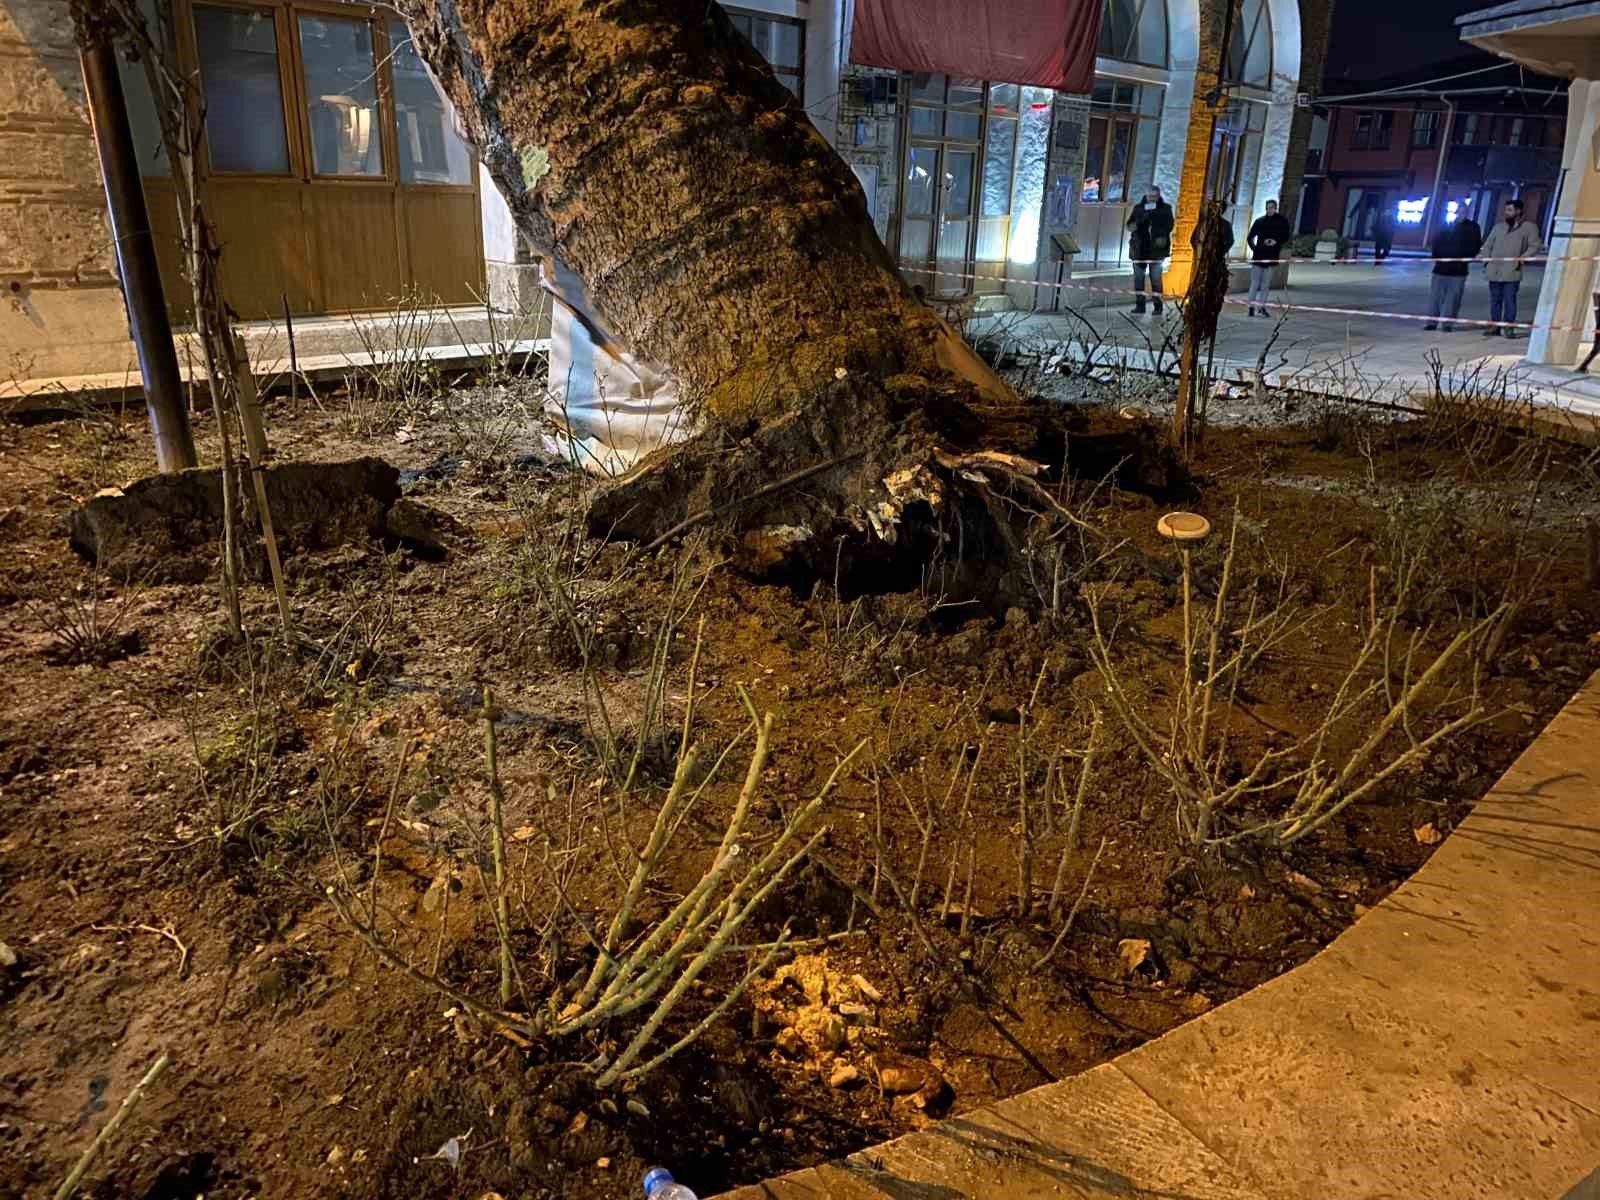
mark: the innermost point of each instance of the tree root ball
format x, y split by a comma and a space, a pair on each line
885, 486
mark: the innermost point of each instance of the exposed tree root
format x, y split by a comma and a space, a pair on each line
887, 486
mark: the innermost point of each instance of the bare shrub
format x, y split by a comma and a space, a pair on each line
632, 972
1392, 689
87, 625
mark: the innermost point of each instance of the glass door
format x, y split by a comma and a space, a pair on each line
939, 196
1118, 167
953, 254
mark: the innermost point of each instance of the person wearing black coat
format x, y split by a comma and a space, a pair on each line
1268, 237
1382, 235
1453, 248
1150, 246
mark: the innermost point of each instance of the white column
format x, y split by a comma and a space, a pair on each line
1274, 155
1174, 138
1183, 47
1565, 299
511, 284
825, 50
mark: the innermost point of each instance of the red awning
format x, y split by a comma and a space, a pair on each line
1049, 43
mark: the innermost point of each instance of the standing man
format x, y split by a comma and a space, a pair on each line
1509, 243
1150, 246
1268, 236
1383, 235
1453, 247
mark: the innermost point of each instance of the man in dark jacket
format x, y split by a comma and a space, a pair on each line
1268, 237
1150, 246
1453, 248
1382, 235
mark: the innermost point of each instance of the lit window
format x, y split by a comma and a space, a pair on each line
430, 150
341, 96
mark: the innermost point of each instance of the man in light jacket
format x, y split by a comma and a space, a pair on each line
1509, 243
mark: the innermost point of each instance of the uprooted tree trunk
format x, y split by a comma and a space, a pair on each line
646, 146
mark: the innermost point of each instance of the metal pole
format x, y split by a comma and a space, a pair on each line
136, 259
1438, 175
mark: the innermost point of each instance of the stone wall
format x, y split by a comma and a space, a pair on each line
62, 311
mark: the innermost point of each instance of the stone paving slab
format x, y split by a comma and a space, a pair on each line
1093, 1136
1445, 1046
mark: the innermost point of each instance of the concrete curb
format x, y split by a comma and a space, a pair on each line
1445, 1047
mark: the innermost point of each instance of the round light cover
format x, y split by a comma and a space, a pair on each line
1183, 527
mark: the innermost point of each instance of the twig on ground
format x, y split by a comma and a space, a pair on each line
75, 1176
166, 931
1072, 916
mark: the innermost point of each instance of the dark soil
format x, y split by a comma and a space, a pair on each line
173, 807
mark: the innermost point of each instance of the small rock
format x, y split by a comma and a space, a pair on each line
8, 956
844, 1075
637, 1107
607, 1107
603, 1163
1304, 882
336, 1155
1197, 1003
855, 1013
902, 1081
790, 1043
868, 993
1427, 835
1134, 953
579, 1123
1246, 892
933, 1096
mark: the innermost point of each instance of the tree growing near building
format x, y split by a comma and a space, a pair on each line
646, 146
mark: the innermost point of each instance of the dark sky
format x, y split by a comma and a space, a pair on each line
1377, 38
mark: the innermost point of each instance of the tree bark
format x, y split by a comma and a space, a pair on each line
647, 147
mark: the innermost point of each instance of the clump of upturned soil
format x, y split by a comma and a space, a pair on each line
172, 817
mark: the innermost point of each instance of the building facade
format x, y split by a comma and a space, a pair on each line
1022, 165
1454, 139
338, 182
1560, 39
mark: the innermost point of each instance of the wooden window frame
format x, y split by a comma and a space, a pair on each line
383, 86
1379, 133
797, 73
1425, 129
296, 109
189, 48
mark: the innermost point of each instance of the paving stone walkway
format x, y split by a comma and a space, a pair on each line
1445, 1047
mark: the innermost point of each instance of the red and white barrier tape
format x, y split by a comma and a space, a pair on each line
1159, 297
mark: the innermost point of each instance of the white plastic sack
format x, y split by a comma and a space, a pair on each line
611, 407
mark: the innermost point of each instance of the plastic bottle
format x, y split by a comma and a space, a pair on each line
659, 1185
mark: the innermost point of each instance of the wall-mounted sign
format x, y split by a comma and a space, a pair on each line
1410, 212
